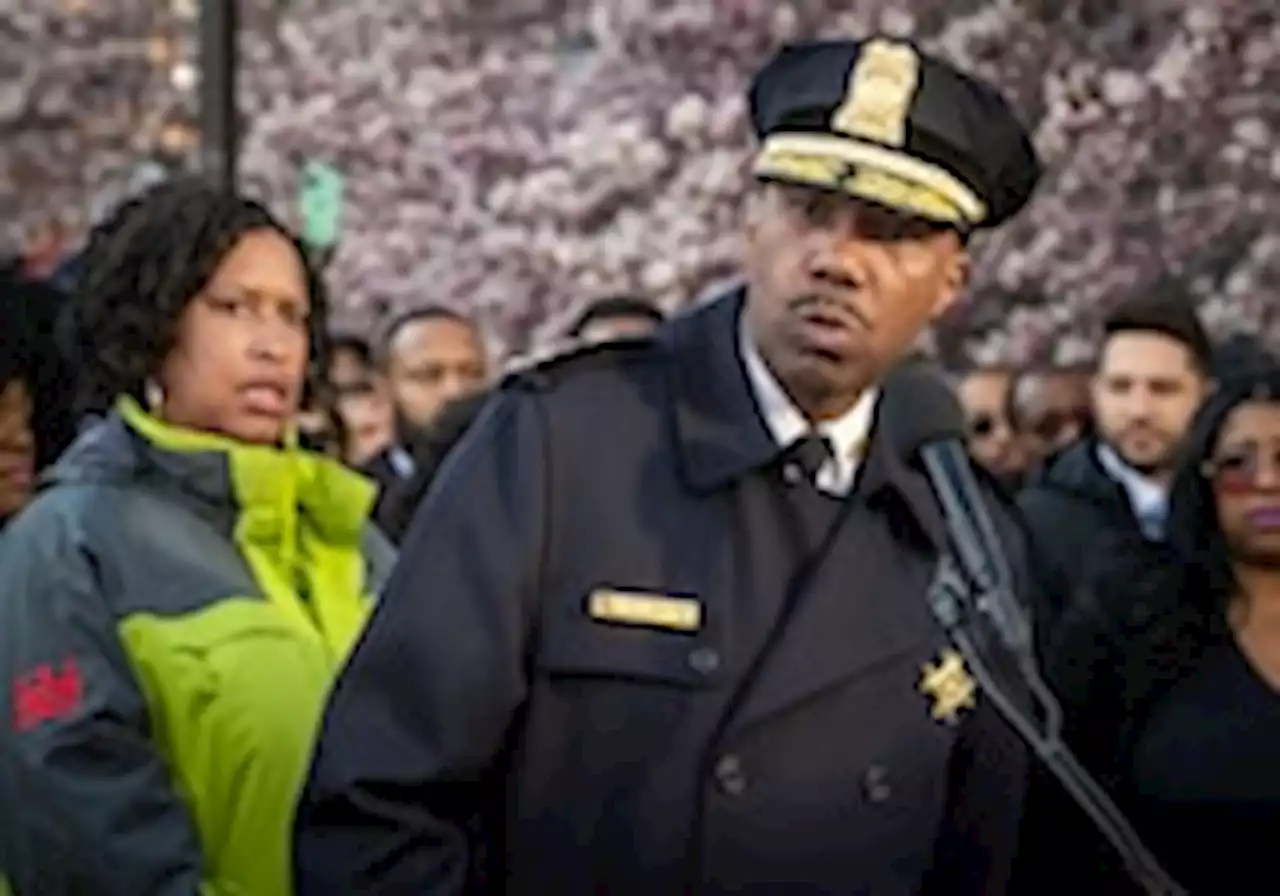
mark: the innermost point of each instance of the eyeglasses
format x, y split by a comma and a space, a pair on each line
981, 426
1240, 469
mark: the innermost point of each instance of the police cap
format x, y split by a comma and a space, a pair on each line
883, 121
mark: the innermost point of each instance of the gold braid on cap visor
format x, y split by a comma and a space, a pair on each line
887, 176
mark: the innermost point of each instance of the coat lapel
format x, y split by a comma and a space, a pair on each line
863, 604
719, 433
869, 590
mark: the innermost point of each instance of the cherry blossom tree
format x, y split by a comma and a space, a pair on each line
516, 162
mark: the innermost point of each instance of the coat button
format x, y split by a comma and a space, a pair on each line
730, 776
875, 784
792, 474
704, 660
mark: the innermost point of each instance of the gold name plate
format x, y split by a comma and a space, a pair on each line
681, 614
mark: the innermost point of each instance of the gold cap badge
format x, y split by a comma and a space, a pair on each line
878, 97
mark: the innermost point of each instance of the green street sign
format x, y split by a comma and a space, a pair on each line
320, 204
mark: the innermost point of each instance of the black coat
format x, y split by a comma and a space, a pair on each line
1081, 520
383, 472
746, 756
1121, 645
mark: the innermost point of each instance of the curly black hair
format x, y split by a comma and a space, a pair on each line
142, 266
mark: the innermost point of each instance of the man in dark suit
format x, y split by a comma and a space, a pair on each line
661, 624
430, 356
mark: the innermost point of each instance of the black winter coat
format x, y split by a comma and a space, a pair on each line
616, 642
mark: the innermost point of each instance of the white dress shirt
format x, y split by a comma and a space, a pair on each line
848, 434
1150, 500
401, 462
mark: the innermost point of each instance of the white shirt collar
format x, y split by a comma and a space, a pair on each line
1149, 499
848, 434
401, 461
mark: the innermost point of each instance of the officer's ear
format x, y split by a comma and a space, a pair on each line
956, 273
754, 210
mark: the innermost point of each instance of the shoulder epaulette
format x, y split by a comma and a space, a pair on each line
542, 372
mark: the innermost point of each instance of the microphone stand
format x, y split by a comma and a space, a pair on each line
950, 597
975, 575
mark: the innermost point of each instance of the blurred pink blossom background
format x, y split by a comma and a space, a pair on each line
515, 158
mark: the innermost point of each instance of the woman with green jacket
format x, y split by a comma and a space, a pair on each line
177, 599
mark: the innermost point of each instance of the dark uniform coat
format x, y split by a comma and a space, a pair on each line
783, 746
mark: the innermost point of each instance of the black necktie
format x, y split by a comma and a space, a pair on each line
812, 510
809, 453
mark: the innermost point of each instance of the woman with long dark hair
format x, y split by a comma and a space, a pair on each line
1170, 672
177, 597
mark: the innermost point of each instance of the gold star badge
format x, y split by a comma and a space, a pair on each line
949, 685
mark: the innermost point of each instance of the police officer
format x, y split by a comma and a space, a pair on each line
661, 626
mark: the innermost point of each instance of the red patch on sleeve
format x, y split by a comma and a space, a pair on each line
48, 693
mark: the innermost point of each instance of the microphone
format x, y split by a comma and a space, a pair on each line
928, 427
973, 578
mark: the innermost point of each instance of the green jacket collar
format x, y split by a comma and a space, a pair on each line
272, 490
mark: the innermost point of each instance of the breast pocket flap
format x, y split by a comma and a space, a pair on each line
587, 648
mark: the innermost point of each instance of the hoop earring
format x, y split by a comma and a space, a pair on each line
153, 393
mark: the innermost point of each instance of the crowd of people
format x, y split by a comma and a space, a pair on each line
1146, 482
514, 162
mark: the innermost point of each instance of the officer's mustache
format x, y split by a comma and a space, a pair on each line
828, 304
